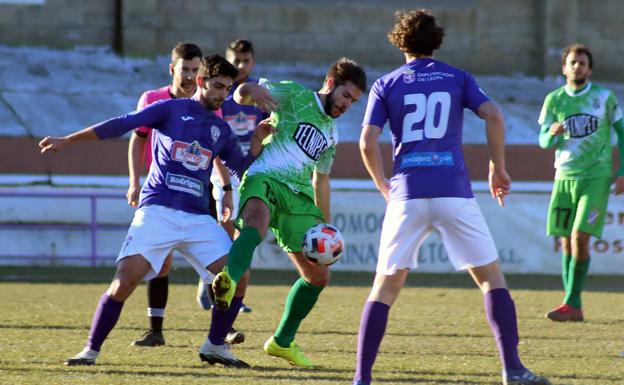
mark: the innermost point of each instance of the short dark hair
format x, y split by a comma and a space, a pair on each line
185, 51
415, 32
241, 46
578, 49
216, 65
347, 70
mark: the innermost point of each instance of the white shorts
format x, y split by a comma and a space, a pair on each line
458, 222
156, 231
217, 194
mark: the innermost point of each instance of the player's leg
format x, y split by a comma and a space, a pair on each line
560, 221
296, 214
589, 221
406, 225
301, 298
153, 233
256, 202
470, 246
130, 271
203, 239
157, 295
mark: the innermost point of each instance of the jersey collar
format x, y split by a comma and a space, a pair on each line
318, 102
574, 93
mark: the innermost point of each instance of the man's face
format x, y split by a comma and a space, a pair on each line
243, 61
183, 74
214, 91
340, 99
576, 68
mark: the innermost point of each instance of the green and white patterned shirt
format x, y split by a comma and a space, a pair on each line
584, 149
305, 140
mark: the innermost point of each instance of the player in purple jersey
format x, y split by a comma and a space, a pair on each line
173, 212
429, 189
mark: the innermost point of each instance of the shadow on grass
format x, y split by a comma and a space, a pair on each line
72, 274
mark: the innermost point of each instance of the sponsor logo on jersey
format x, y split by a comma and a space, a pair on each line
580, 125
311, 140
187, 118
241, 123
192, 155
427, 159
185, 184
409, 76
215, 133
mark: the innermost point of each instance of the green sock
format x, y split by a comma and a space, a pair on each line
241, 252
300, 301
565, 268
576, 280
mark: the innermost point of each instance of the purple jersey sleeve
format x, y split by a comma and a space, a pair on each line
150, 116
376, 111
474, 96
233, 157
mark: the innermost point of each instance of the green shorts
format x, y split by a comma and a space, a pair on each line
292, 214
578, 205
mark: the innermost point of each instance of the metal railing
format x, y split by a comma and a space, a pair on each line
92, 226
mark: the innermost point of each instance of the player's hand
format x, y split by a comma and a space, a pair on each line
556, 129
51, 143
133, 195
619, 185
263, 99
227, 205
500, 183
384, 189
264, 129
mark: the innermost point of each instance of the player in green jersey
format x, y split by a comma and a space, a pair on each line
277, 191
576, 119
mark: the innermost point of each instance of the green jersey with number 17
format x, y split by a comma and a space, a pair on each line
305, 140
584, 149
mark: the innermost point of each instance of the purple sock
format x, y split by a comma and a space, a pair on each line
372, 328
222, 321
104, 320
501, 314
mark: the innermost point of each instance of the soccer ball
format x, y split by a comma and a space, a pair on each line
323, 244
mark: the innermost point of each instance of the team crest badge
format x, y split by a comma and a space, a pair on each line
215, 133
593, 216
191, 155
409, 76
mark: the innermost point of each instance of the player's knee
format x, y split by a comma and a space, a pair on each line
319, 278
121, 289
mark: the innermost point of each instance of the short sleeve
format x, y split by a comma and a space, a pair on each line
376, 110
474, 96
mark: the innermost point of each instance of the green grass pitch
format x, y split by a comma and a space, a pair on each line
437, 333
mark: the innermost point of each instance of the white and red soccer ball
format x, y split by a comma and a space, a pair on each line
323, 244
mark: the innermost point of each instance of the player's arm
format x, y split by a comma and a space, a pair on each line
322, 192
112, 128
252, 93
231, 152
224, 176
619, 175
371, 155
499, 180
550, 129
55, 143
135, 162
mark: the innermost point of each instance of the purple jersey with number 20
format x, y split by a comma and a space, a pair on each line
424, 102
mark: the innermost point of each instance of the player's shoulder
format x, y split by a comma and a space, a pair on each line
151, 96
283, 85
599, 89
